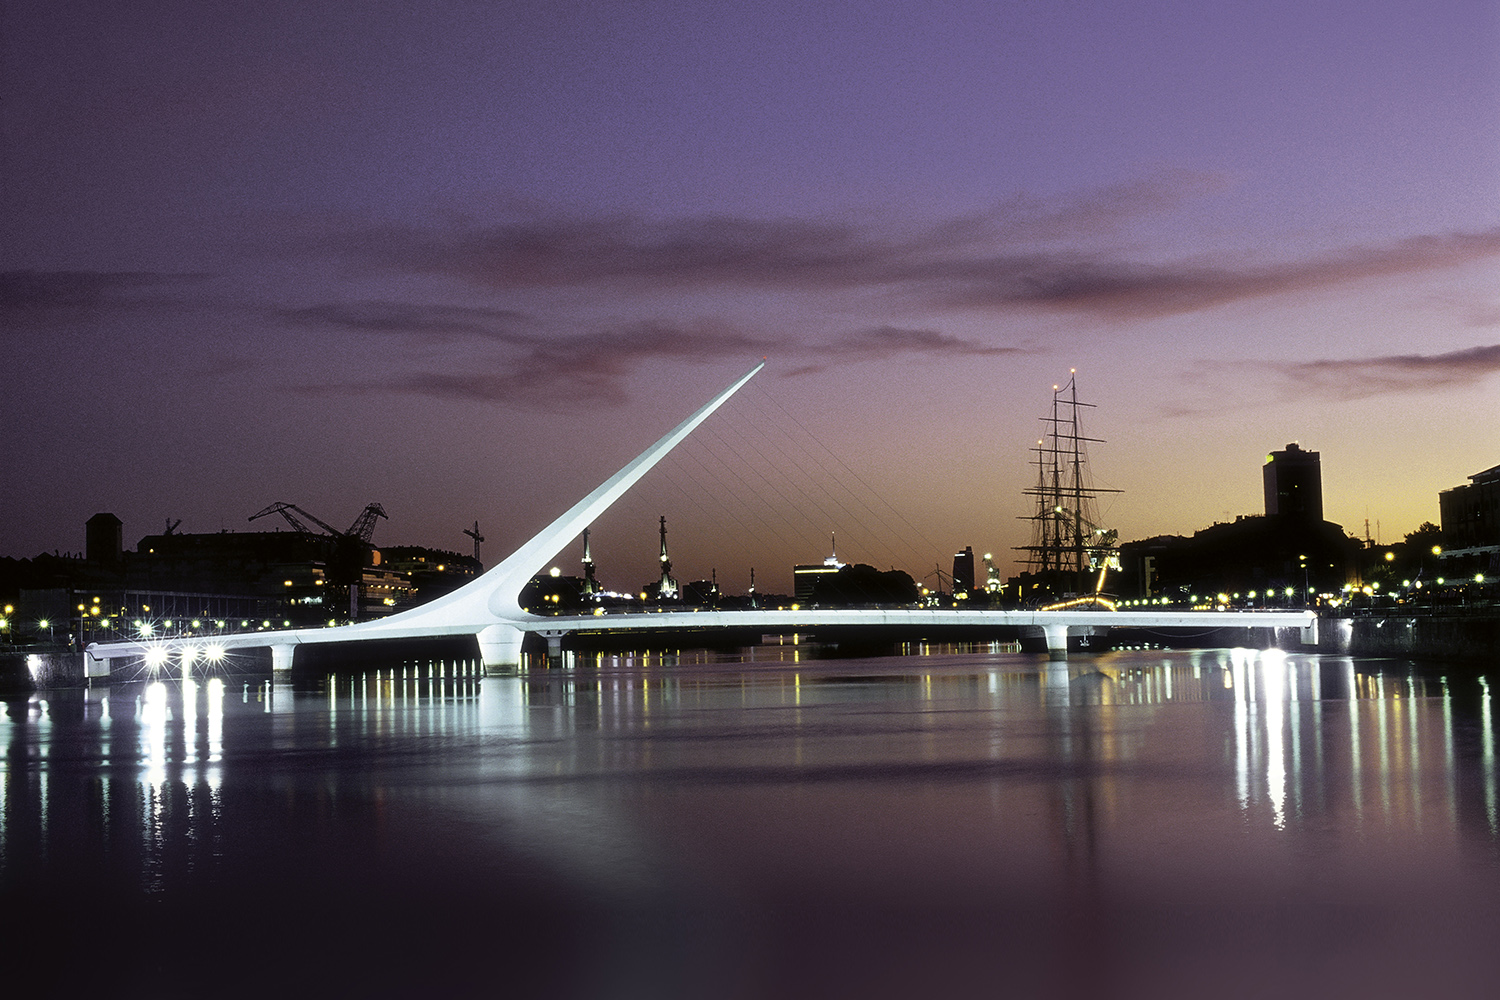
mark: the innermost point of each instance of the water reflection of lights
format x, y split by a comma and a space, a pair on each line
154, 715
1273, 685
215, 726
1487, 750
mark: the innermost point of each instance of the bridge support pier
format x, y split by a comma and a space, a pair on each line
95, 666
500, 645
281, 658
554, 637
1057, 641
1310, 634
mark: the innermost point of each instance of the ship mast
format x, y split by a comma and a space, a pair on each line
1067, 546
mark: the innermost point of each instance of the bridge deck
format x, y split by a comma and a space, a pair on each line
1054, 625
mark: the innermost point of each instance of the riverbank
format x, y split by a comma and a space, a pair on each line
1469, 636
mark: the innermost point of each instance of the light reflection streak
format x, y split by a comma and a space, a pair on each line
189, 720
153, 714
1487, 750
1449, 764
1235, 678
1383, 740
1273, 689
1294, 712
1414, 750
1355, 771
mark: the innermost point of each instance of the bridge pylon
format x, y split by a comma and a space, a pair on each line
490, 606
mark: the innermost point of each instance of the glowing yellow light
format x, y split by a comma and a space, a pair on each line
1390, 556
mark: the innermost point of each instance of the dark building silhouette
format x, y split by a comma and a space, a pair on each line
806, 576
104, 539
1471, 514
963, 571
863, 586
1261, 554
1294, 484
1287, 556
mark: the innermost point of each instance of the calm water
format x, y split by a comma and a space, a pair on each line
957, 822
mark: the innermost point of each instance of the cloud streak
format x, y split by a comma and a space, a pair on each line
1358, 378
997, 261
432, 320
535, 371
35, 294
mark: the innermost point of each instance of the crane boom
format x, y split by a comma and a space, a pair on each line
363, 527
286, 510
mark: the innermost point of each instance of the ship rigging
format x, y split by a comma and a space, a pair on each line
1069, 553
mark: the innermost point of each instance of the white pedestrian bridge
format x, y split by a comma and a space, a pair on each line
489, 607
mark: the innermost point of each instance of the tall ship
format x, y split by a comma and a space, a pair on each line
1070, 555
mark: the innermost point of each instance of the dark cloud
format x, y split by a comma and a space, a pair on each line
995, 261
40, 292
615, 251
535, 371
887, 341
415, 318
567, 371
1360, 377
1125, 290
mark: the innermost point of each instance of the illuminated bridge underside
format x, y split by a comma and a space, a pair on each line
489, 607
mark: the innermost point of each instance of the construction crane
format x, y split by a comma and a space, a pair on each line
350, 549
477, 539
942, 577
363, 527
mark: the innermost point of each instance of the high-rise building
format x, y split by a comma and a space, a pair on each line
963, 572
1294, 484
805, 577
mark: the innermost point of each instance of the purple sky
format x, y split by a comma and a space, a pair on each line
465, 259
